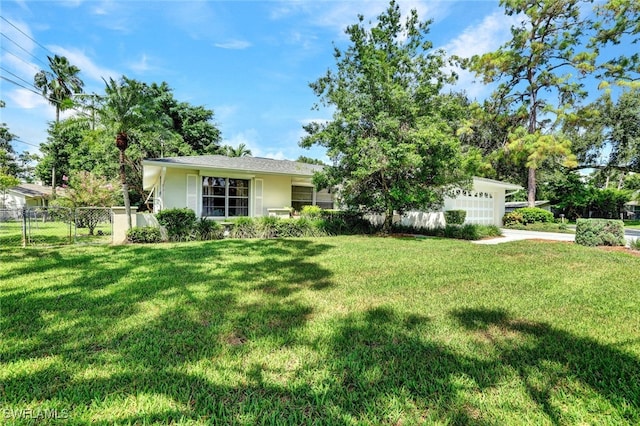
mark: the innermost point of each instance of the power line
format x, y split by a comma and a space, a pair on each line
22, 48
26, 143
25, 34
18, 77
19, 58
20, 85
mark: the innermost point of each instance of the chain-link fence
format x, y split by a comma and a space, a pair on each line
93, 225
53, 226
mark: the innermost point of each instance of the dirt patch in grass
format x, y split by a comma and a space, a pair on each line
620, 249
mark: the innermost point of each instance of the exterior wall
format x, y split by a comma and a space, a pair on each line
13, 201
483, 195
276, 192
175, 187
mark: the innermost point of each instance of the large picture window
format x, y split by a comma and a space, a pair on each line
225, 197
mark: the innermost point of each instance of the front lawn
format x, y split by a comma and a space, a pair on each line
633, 224
344, 330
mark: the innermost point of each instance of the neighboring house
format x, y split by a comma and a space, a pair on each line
632, 209
221, 187
510, 206
26, 195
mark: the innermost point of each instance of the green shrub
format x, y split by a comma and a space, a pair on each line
526, 216
244, 227
455, 217
311, 212
267, 227
179, 223
634, 244
535, 215
461, 232
345, 222
144, 234
206, 230
600, 232
512, 218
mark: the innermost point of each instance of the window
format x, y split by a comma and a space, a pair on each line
324, 199
225, 197
301, 196
304, 196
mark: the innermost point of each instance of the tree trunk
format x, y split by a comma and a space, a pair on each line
388, 221
125, 188
53, 181
531, 187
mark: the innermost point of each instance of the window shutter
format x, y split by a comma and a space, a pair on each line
192, 193
257, 198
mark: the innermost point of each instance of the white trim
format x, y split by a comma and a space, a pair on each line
192, 194
258, 200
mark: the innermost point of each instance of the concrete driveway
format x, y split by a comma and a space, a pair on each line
517, 235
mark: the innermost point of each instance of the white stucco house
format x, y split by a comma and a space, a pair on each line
221, 187
25, 195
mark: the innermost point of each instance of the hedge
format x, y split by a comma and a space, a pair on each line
455, 217
600, 232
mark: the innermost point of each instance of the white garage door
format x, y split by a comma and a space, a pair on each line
480, 206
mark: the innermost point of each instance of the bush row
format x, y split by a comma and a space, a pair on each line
526, 216
182, 225
468, 231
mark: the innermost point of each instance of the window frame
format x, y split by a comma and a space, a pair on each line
206, 210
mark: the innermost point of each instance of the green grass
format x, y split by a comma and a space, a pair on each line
634, 224
344, 330
543, 227
45, 234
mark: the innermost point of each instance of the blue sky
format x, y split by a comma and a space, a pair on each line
249, 61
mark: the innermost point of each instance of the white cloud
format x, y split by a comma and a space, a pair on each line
275, 155
251, 140
487, 36
492, 32
26, 99
223, 113
339, 15
17, 65
234, 44
142, 65
86, 65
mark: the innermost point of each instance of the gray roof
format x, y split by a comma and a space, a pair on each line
520, 204
245, 164
32, 190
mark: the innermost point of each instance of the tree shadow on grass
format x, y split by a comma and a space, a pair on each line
554, 364
136, 317
215, 333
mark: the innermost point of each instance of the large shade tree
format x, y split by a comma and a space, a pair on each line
534, 71
389, 140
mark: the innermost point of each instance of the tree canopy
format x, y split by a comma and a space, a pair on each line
390, 143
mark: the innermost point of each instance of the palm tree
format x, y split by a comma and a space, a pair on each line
58, 85
127, 109
240, 151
